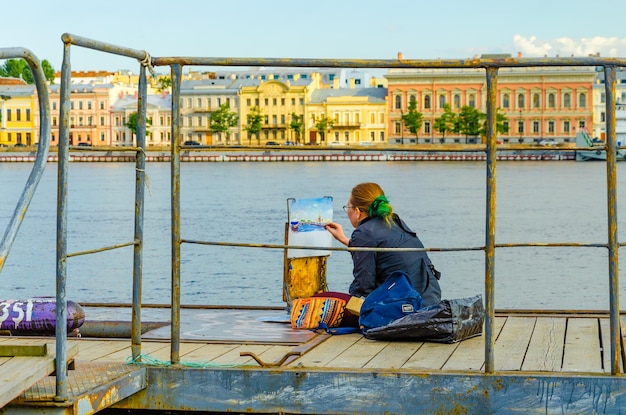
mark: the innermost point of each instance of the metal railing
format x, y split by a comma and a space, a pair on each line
176, 64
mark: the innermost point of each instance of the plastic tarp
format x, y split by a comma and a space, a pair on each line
449, 321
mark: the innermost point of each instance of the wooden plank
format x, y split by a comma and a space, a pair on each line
358, 354
545, 351
470, 355
393, 355
164, 354
206, 353
324, 353
431, 356
123, 355
23, 350
582, 346
512, 343
605, 332
21, 372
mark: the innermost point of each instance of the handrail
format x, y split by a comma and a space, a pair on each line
42, 151
491, 67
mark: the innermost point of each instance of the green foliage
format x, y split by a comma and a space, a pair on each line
223, 119
255, 118
324, 124
469, 121
133, 120
163, 83
18, 68
447, 122
501, 127
296, 125
413, 119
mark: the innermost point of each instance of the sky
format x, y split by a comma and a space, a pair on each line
347, 29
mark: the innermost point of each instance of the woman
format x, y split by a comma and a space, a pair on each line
377, 226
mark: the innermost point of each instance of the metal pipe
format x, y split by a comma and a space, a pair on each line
175, 179
62, 189
42, 151
490, 231
613, 244
140, 173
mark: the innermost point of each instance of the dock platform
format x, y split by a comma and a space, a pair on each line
549, 362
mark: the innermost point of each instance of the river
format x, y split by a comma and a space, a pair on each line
444, 202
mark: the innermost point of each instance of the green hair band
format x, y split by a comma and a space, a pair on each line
380, 207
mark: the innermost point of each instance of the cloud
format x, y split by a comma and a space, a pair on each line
565, 46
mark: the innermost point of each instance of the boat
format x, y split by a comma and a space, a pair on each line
584, 140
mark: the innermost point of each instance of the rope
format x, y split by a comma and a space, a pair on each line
147, 61
144, 359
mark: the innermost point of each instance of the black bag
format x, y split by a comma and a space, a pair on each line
449, 321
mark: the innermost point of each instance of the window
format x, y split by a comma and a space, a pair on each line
80, 105
551, 100
54, 121
9, 116
282, 119
602, 116
274, 119
282, 101
535, 127
101, 105
88, 105
566, 126
267, 102
398, 127
347, 135
427, 102
551, 127
520, 101
293, 101
412, 98
27, 114
275, 101
567, 100
382, 136
582, 100
398, 101
54, 105
520, 126
442, 101
248, 102
536, 101
427, 127
372, 135
581, 124
505, 101
18, 114
456, 100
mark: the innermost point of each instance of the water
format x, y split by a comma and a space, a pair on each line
444, 202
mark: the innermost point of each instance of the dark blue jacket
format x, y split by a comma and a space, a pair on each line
372, 268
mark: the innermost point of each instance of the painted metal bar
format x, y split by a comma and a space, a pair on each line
140, 55
140, 174
613, 243
62, 189
175, 172
42, 151
388, 63
490, 231
102, 249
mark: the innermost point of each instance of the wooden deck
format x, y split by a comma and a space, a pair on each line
568, 354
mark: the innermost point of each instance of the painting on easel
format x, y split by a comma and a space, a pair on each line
307, 218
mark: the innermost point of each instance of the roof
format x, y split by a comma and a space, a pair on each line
373, 94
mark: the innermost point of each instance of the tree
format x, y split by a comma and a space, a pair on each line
133, 120
445, 123
18, 68
255, 117
163, 82
223, 119
296, 125
413, 119
323, 124
501, 126
469, 121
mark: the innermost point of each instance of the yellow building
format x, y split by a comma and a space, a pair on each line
277, 101
358, 116
17, 113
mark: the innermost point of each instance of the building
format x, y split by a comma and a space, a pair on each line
159, 120
358, 116
538, 103
17, 113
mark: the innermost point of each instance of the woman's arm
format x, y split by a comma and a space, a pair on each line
336, 230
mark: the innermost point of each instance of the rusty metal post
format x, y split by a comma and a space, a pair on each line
175, 180
490, 231
140, 174
613, 243
62, 189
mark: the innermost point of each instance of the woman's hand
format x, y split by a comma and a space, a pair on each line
336, 230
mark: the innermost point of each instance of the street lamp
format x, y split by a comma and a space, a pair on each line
401, 127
